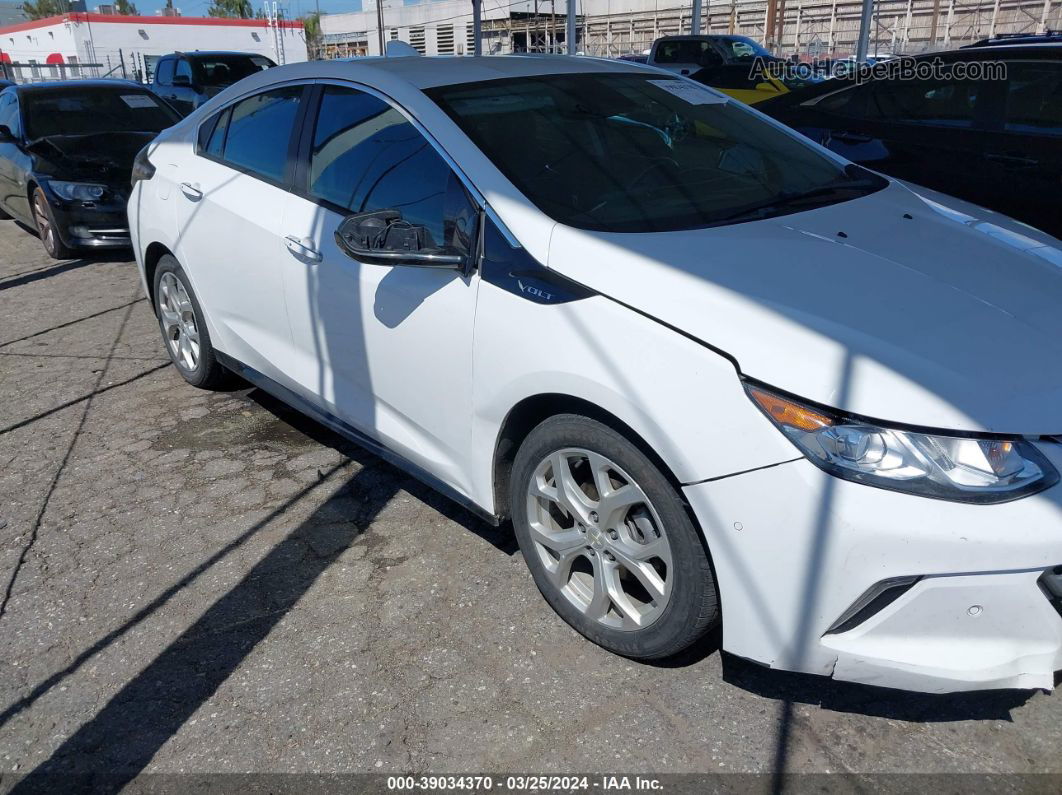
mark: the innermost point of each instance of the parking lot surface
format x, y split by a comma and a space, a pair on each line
198, 582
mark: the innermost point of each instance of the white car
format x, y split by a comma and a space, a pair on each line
711, 371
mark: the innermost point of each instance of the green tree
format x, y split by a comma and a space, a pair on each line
233, 9
45, 8
311, 28
126, 8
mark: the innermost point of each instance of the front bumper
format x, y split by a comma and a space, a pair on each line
795, 548
96, 225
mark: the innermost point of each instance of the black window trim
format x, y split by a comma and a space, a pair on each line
297, 127
298, 151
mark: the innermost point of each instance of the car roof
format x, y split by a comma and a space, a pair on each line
428, 72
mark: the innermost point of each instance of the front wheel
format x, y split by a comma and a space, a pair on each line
46, 227
608, 540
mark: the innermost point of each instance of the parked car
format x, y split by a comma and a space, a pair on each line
188, 79
66, 152
727, 64
994, 142
1007, 39
739, 378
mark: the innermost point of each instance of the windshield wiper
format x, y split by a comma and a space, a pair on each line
788, 201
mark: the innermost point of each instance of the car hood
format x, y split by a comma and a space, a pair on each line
903, 305
103, 157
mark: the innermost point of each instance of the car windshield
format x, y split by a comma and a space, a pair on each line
641, 153
223, 70
85, 110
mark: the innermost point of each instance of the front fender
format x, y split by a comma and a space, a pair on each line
683, 399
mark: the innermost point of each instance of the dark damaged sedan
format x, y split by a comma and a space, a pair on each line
66, 153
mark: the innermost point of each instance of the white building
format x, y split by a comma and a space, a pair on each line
616, 27
98, 45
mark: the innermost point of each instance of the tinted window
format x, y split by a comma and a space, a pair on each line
259, 131
695, 51
164, 72
942, 104
9, 113
633, 153
367, 156
850, 102
183, 70
223, 70
212, 134
1034, 98
90, 111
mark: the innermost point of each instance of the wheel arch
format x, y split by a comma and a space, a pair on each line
534, 409
152, 254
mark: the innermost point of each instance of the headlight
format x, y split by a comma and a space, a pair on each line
960, 468
77, 191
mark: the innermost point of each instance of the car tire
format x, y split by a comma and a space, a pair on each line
184, 331
47, 230
629, 572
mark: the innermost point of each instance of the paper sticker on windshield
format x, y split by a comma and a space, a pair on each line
690, 92
138, 100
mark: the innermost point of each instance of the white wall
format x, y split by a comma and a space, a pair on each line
91, 40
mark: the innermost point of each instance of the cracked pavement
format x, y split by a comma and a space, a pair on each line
208, 582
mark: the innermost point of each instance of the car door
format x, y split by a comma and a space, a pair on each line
385, 348
230, 202
15, 163
1023, 145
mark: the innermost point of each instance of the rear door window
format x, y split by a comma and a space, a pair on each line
935, 103
1034, 98
259, 132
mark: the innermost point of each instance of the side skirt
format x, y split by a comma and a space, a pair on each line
303, 406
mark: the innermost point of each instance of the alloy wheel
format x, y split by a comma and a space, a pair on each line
178, 321
45, 227
599, 539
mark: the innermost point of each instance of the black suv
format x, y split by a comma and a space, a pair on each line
188, 79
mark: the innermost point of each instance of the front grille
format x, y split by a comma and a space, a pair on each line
1051, 584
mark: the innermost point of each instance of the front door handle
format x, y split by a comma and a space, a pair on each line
302, 248
191, 191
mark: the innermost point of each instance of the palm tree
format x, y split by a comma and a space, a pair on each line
234, 9
126, 8
45, 8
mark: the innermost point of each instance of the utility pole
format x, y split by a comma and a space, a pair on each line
379, 25
863, 42
477, 28
570, 32
695, 20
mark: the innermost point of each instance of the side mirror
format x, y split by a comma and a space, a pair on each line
384, 238
6, 136
182, 80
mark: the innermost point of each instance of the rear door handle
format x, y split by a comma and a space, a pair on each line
191, 192
299, 247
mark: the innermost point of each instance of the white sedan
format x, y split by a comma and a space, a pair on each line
711, 371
